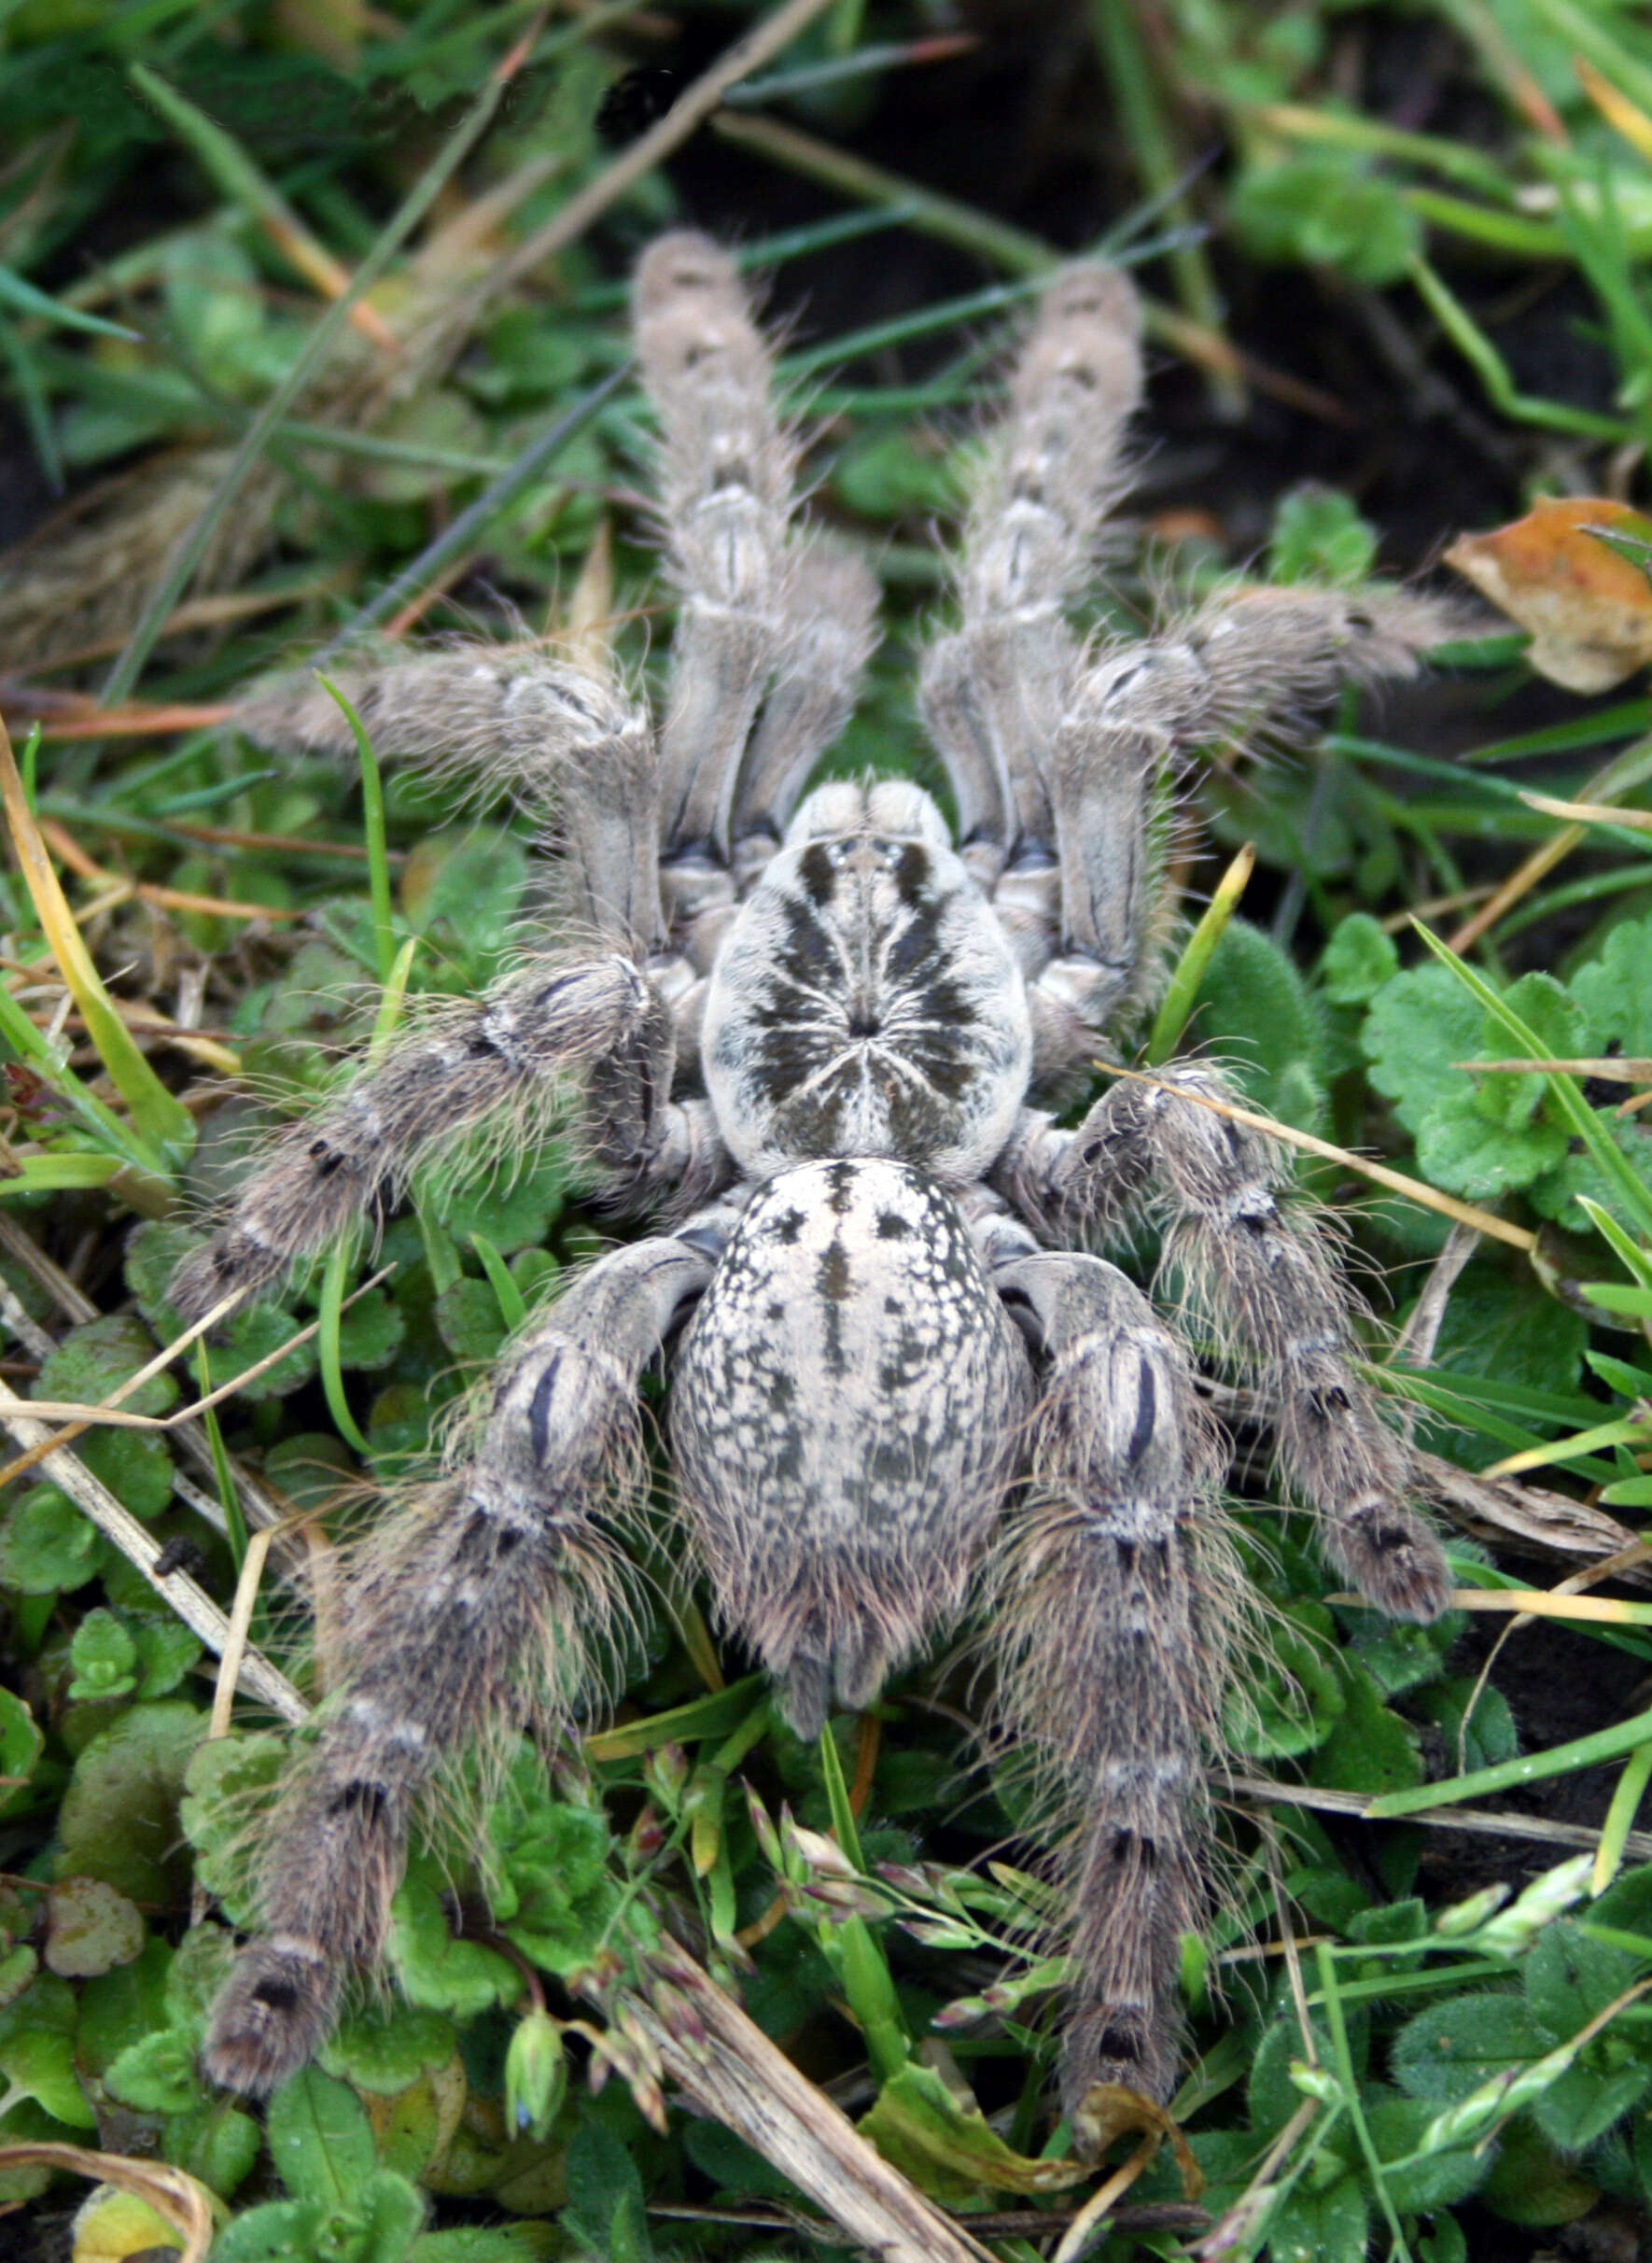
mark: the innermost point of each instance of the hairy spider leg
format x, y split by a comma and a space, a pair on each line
1260, 1275
994, 690
1065, 763
506, 1053
476, 1605
1107, 1628
774, 629
725, 482
563, 740
1254, 662
828, 633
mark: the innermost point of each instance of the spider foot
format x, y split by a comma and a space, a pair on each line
274, 2013
1395, 1559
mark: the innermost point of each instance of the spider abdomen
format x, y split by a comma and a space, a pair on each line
847, 1407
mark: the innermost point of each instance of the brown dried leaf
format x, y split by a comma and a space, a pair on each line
1109, 2109
1588, 608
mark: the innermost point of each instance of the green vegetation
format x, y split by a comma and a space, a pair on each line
332, 293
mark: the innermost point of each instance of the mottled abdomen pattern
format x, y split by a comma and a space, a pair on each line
849, 1404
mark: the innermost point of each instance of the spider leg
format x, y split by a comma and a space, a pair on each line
1110, 1636
355, 1156
994, 691
725, 475
829, 630
450, 1619
1256, 659
1263, 1277
577, 755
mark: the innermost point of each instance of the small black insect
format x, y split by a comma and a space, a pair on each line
179, 1554
633, 103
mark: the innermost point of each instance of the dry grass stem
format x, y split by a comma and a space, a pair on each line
258, 1677
739, 2077
1487, 1822
1483, 1221
185, 2205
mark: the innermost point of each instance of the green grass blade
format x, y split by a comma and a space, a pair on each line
512, 1303
181, 567
1330, 1997
1508, 1774
1494, 372
1118, 32
378, 850
851, 1944
163, 1129
1633, 1255
716, 1715
1171, 1017
22, 296
837, 1798
153, 1197
327, 1345
228, 1492
1620, 1816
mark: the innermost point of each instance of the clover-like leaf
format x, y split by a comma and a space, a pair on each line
1532, 2183
225, 1777
1614, 990
1292, 1704
89, 1927
1254, 1011
1432, 2179
105, 1657
1359, 957
214, 2142
39, 2063
436, 1971
121, 2006
1569, 1977
605, 2208
320, 2139
47, 1547
1326, 212
469, 1321
96, 1358
1321, 2223
156, 2075
120, 1816
1460, 1148
1512, 1098
385, 2049
1320, 536
1419, 1026
1451, 2048
273, 2233
20, 1746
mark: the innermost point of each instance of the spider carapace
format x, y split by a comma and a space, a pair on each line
824, 1049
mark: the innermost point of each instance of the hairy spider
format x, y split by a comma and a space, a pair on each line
807, 1034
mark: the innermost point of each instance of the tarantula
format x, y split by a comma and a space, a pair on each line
807, 1035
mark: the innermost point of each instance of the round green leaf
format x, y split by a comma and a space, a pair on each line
89, 1927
